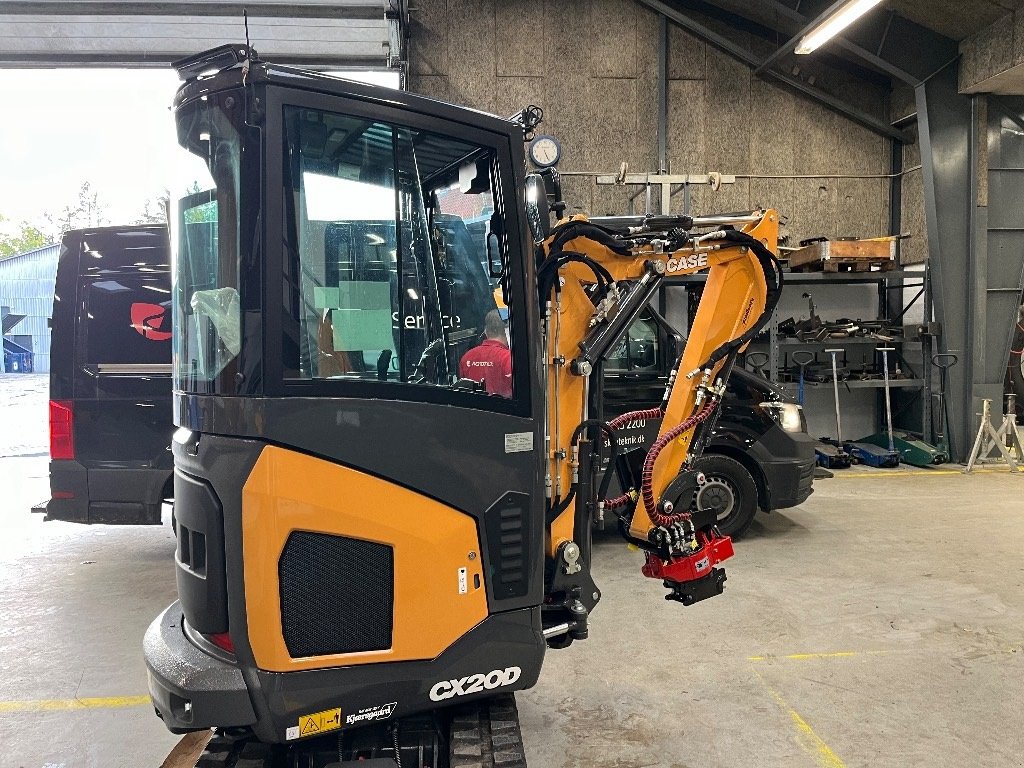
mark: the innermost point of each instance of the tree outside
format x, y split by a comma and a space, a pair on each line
18, 237
87, 211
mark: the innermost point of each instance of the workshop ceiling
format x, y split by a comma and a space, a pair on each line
955, 19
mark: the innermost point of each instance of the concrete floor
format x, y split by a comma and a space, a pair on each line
881, 624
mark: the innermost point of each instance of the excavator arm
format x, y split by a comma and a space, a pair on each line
593, 282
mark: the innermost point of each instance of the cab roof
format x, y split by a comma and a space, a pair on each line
231, 66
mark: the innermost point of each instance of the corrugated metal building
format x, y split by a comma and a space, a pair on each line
26, 288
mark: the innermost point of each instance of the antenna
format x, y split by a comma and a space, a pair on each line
245, 20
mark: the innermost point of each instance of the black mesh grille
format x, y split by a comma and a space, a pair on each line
337, 595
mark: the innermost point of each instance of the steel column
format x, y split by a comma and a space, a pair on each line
1000, 287
662, 95
944, 123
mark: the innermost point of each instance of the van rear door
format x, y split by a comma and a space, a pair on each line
122, 392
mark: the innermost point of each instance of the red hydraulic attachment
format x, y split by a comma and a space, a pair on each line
693, 577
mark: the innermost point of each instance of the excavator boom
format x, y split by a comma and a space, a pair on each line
604, 279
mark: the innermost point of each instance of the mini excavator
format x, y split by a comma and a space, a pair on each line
373, 553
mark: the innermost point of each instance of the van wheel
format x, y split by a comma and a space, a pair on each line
729, 490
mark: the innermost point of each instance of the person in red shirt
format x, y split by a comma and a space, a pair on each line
491, 362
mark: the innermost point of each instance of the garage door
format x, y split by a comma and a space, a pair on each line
341, 33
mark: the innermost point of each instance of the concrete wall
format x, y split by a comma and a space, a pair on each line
593, 67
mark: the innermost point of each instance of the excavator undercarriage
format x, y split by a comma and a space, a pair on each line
482, 735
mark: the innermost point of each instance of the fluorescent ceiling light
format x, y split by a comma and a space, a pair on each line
837, 21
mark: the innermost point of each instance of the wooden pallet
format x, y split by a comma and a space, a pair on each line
874, 255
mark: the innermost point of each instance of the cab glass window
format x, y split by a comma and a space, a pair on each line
204, 245
388, 236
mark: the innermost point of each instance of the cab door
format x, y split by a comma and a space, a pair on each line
385, 349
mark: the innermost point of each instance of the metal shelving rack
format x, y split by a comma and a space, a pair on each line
890, 306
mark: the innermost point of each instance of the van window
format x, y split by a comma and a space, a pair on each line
638, 349
126, 321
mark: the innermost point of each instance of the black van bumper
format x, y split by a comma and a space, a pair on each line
114, 496
787, 461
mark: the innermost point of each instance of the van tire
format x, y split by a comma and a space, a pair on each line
729, 488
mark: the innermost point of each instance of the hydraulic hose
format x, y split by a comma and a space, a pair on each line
620, 421
659, 518
774, 280
618, 502
547, 275
613, 442
573, 229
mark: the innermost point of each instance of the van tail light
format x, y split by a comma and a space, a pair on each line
62, 430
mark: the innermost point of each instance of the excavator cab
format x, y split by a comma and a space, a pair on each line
384, 489
357, 530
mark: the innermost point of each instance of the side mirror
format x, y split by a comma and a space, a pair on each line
537, 212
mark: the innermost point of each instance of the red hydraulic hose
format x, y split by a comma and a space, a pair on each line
659, 518
620, 421
618, 501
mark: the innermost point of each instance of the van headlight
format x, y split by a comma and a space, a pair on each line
789, 416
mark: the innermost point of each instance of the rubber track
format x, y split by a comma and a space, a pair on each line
487, 735
228, 751
482, 735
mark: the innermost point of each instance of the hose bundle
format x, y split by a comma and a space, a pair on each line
647, 491
773, 279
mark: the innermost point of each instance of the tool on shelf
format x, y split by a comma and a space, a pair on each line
1006, 440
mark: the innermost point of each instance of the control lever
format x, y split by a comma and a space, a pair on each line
383, 363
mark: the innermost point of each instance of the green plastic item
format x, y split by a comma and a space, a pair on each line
911, 449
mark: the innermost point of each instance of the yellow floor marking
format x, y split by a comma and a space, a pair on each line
917, 472
805, 656
61, 705
808, 739
833, 655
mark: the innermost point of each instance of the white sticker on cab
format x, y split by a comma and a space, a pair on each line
518, 442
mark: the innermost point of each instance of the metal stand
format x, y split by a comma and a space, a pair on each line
888, 403
1006, 439
835, 390
665, 183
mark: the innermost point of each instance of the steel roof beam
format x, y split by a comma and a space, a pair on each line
754, 62
882, 46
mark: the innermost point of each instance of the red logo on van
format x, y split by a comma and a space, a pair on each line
147, 319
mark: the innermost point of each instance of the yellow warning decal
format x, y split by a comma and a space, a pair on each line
319, 722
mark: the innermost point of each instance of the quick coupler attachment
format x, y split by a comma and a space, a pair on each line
690, 592
693, 577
